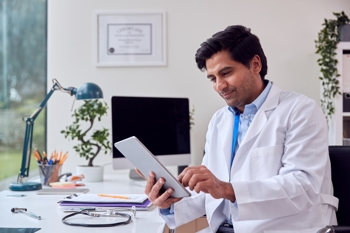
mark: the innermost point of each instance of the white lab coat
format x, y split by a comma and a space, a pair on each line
281, 172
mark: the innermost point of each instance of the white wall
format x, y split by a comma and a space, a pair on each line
287, 30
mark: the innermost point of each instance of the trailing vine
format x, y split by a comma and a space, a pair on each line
328, 39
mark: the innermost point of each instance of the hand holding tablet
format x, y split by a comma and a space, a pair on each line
146, 162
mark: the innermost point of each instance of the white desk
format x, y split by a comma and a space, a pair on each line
46, 206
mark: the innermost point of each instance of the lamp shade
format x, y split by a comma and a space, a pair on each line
89, 91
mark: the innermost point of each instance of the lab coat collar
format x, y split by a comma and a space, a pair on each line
261, 116
225, 126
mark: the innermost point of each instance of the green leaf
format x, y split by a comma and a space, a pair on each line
89, 144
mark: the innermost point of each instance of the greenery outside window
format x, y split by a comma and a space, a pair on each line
23, 53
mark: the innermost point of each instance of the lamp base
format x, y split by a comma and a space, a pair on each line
25, 186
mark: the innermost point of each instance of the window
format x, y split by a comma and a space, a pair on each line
23, 49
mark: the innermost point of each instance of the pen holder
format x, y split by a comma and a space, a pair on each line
49, 173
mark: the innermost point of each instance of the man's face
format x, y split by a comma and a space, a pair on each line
234, 82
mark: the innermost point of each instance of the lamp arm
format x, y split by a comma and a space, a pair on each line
27, 148
28, 135
56, 86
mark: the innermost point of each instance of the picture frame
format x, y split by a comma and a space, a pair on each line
130, 38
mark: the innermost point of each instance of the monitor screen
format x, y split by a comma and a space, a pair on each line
161, 124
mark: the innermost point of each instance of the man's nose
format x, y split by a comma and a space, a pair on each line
220, 84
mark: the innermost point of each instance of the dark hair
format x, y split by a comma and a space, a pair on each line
239, 41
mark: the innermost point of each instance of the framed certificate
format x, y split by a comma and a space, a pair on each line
131, 38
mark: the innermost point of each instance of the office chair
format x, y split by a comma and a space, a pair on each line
340, 165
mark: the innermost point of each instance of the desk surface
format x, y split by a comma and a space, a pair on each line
46, 206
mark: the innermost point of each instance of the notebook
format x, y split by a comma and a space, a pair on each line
73, 206
96, 199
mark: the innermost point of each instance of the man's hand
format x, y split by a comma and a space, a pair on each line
199, 178
153, 191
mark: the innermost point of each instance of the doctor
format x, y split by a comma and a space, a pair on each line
266, 166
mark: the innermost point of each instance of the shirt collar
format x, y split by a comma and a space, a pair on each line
256, 104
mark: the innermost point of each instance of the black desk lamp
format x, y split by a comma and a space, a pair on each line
84, 92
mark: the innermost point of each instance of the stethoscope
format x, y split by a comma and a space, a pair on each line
109, 213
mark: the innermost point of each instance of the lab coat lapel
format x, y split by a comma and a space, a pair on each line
225, 130
261, 117
215, 212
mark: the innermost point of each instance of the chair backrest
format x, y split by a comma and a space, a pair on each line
340, 164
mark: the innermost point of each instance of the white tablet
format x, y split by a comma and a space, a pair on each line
146, 162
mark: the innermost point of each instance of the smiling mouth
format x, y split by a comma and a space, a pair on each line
226, 94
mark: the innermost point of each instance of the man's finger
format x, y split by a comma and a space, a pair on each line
181, 175
163, 198
195, 178
187, 177
165, 201
201, 187
158, 186
150, 183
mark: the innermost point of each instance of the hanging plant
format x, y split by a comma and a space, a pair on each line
328, 39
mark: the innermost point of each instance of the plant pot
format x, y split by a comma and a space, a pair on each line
344, 31
91, 174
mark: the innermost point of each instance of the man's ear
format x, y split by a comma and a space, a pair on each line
255, 64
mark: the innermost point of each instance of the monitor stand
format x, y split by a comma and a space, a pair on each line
134, 176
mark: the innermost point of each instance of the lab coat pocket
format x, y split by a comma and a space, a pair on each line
266, 161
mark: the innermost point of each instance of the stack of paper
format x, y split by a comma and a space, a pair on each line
81, 201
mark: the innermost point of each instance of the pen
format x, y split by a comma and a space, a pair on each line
31, 214
45, 157
113, 196
59, 156
38, 154
24, 211
15, 195
63, 158
37, 157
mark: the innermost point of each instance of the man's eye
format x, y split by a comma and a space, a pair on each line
225, 74
212, 80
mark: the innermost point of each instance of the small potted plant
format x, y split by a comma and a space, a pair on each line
90, 143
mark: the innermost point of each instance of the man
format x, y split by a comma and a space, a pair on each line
266, 165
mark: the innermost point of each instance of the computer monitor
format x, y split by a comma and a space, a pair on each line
161, 124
